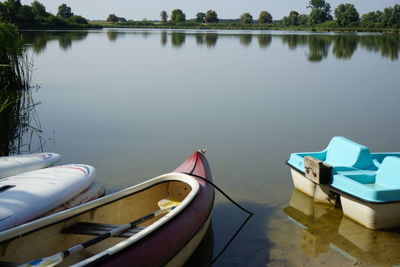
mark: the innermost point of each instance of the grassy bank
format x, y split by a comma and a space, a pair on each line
240, 26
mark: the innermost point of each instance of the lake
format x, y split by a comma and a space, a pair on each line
136, 103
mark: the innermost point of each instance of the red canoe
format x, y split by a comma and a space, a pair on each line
167, 239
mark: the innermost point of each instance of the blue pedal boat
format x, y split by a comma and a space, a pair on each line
367, 184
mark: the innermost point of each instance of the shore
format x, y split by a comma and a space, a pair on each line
238, 26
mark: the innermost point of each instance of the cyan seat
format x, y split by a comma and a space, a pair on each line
342, 154
383, 186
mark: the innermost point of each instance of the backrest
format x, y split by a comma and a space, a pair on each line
388, 174
344, 152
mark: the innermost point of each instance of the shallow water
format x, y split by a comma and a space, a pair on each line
135, 103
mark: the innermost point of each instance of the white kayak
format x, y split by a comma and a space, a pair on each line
26, 196
13, 165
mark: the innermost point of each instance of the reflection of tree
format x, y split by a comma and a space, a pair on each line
112, 36
264, 40
178, 39
318, 47
344, 46
294, 40
211, 39
387, 45
164, 38
199, 38
39, 40
245, 39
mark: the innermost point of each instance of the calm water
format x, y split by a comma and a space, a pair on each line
135, 103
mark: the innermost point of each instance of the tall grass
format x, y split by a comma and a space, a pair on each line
17, 107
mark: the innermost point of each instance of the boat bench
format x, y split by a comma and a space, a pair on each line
86, 228
383, 186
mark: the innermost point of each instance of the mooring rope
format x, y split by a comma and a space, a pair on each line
250, 214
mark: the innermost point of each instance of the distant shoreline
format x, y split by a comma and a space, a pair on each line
238, 26
215, 26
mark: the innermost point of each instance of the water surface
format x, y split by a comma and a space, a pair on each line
135, 103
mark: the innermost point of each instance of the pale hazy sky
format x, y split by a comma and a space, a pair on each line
150, 9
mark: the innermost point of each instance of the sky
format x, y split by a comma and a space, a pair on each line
226, 9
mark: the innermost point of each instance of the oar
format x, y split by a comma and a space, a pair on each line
165, 205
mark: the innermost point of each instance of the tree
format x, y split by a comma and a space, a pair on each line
78, 19
371, 17
200, 17
303, 19
112, 18
317, 16
178, 16
211, 16
265, 17
346, 14
64, 11
320, 4
164, 16
246, 18
292, 19
10, 10
391, 16
25, 14
39, 9
320, 11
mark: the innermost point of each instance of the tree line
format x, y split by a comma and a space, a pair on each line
321, 14
36, 15
345, 15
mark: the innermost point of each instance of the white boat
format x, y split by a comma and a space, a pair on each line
28, 195
12, 165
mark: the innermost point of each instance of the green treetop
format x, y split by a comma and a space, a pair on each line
265, 17
346, 14
64, 11
178, 16
211, 16
39, 9
164, 16
246, 18
200, 17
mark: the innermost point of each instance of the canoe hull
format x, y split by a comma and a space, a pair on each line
175, 241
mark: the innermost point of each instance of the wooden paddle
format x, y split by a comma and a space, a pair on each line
165, 205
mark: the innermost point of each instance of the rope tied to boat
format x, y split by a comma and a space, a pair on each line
250, 214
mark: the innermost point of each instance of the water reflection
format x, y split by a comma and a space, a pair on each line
345, 46
264, 40
318, 46
211, 39
203, 255
178, 39
39, 39
245, 39
19, 123
164, 39
252, 246
325, 228
112, 35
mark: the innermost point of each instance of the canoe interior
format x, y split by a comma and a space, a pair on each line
50, 240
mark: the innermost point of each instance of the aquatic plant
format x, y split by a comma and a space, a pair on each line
17, 107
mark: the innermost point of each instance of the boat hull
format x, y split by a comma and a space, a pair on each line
302, 184
374, 216
177, 240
